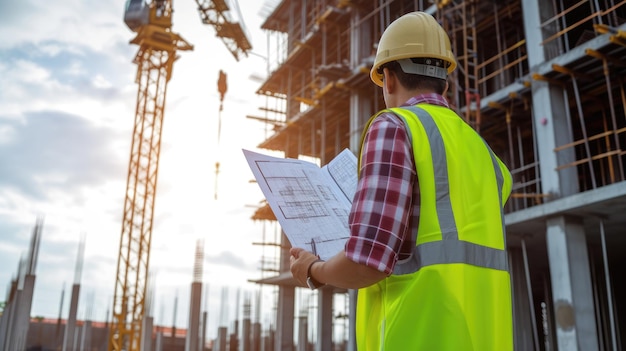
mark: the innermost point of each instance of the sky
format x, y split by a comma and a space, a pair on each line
67, 102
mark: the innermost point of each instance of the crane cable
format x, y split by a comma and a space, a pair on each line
222, 87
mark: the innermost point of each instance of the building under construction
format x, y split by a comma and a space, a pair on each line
544, 83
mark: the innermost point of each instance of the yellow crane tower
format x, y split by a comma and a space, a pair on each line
158, 46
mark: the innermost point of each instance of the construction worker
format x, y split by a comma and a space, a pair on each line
427, 245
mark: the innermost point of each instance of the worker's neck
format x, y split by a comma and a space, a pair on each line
403, 95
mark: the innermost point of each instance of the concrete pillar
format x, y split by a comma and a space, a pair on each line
69, 339
550, 110
533, 32
286, 303
256, 337
21, 319
522, 309
324, 319
266, 345
361, 46
4, 324
352, 296
303, 328
360, 112
285, 316
193, 328
572, 293
6, 320
205, 318
572, 296
233, 344
158, 343
246, 335
269, 341
8, 317
148, 324
85, 337
222, 337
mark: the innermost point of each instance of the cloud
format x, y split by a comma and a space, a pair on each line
64, 74
14, 243
90, 23
48, 139
55, 150
228, 258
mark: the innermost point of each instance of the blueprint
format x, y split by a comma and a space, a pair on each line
311, 204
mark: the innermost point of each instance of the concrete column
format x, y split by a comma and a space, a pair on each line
159, 341
22, 317
522, 319
360, 39
303, 340
324, 319
222, 337
550, 110
285, 317
246, 335
8, 315
146, 342
572, 293
205, 319
21, 320
4, 324
68, 339
269, 341
286, 302
256, 337
233, 344
352, 296
193, 328
85, 337
551, 130
360, 48
360, 112
533, 32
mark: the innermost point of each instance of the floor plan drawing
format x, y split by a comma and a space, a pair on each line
311, 204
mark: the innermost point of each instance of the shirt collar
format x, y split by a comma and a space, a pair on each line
430, 98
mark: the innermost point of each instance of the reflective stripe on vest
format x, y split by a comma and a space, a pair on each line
450, 249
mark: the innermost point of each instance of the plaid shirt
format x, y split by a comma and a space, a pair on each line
386, 203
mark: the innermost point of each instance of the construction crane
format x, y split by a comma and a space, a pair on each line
158, 47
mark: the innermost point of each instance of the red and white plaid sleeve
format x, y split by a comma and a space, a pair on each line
381, 209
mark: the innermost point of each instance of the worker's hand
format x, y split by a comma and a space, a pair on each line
300, 261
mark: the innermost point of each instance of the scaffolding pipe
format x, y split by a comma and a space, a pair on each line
498, 42
520, 150
609, 92
607, 279
530, 295
581, 119
607, 144
596, 297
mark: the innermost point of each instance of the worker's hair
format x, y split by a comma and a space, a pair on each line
415, 81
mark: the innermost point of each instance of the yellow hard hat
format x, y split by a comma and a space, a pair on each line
415, 35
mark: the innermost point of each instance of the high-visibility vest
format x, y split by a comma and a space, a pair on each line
453, 292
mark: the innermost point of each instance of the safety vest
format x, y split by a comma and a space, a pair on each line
453, 292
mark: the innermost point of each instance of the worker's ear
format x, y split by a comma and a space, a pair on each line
389, 81
445, 90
